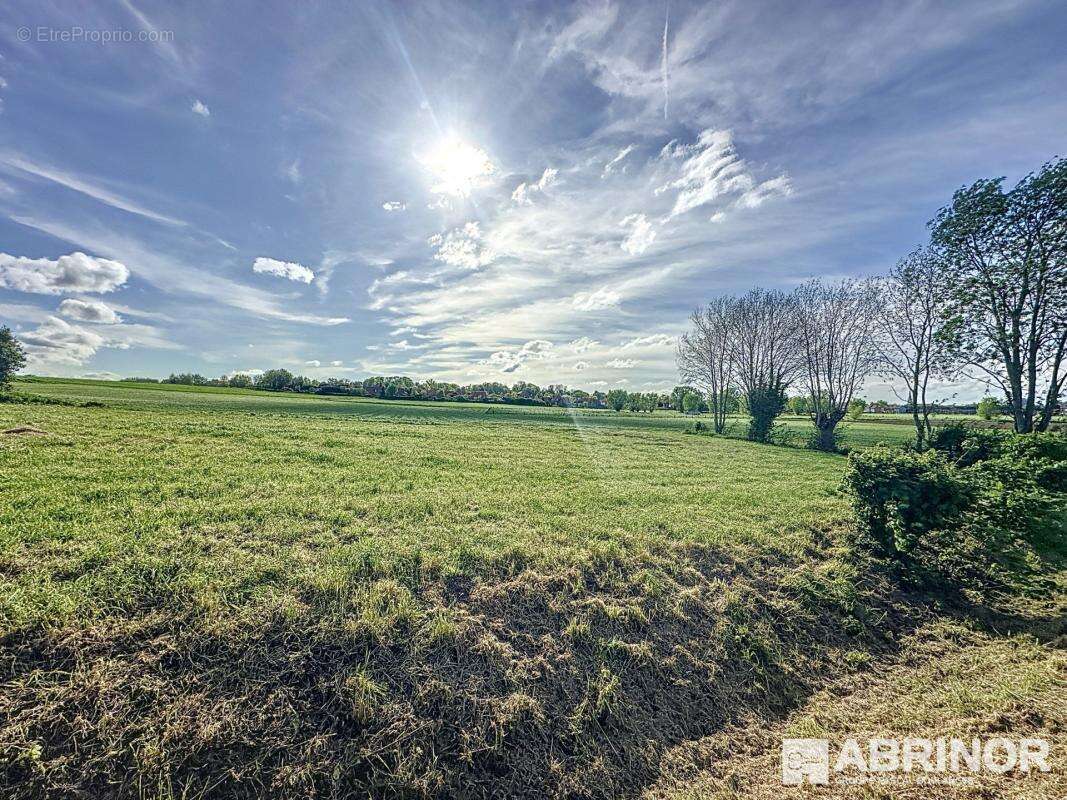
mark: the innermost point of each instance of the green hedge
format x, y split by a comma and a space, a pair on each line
976, 512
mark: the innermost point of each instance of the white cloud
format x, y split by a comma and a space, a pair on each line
711, 170
289, 270
521, 195
613, 165
579, 366
313, 363
394, 205
462, 247
596, 301
293, 173
511, 360
174, 274
199, 108
83, 186
775, 187
89, 311
56, 341
655, 340
621, 363
337, 363
641, 234
522, 192
582, 344
68, 274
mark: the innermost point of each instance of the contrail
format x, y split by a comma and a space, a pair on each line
664, 67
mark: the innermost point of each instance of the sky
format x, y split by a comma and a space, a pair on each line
481, 191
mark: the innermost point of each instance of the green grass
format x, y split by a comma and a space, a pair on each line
171, 397
226, 498
226, 593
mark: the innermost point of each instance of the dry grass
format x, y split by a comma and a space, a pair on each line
947, 681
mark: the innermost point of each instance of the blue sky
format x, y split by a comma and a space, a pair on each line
488, 191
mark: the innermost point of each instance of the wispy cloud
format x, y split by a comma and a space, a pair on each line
11, 162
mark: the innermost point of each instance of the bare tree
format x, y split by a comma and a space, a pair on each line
907, 323
839, 348
766, 353
704, 357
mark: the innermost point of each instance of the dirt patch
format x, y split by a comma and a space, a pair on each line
24, 430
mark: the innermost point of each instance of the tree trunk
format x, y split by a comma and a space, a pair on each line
824, 437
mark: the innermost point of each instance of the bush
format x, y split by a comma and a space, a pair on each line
971, 514
827, 440
987, 408
22, 398
764, 406
966, 445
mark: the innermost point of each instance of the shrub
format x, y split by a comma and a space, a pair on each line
988, 408
764, 406
902, 496
968, 515
827, 440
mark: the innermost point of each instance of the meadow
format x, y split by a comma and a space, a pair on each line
218, 592
227, 496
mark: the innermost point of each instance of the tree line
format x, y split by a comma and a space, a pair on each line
985, 298
400, 387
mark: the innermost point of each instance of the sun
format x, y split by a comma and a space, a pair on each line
458, 168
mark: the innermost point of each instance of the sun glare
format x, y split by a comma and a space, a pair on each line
458, 168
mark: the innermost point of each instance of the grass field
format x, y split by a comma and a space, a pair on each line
229, 497
233, 593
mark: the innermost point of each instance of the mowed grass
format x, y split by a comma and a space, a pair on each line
218, 500
216, 593
870, 430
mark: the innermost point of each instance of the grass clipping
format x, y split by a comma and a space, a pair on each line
571, 684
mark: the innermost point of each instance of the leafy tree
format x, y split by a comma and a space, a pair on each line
988, 407
275, 380
186, 379
678, 392
1006, 254
797, 405
617, 399
856, 407
691, 403
240, 381
12, 357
